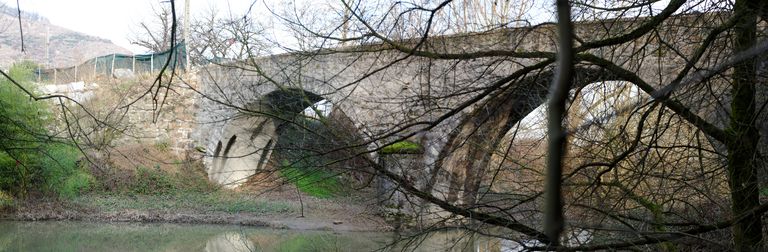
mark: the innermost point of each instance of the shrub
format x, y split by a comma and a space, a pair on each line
30, 158
6, 200
75, 184
61, 171
153, 181
22, 129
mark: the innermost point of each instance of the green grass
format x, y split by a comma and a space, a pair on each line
218, 201
316, 183
187, 190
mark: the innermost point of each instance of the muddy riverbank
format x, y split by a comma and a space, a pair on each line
273, 210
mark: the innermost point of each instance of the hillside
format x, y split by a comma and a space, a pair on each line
65, 48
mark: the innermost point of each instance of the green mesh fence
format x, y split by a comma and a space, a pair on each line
116, 65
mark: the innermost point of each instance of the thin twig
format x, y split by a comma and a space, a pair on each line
21, 30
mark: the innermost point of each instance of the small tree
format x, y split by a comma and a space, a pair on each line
31, 154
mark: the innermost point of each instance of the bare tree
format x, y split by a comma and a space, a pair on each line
689, 59
669, 158
478, 15
155, 34
216, 38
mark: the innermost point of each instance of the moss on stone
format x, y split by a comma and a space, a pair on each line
402, 147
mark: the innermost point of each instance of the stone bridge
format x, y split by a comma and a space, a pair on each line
437, 95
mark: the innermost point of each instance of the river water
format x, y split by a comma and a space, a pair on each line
86, 236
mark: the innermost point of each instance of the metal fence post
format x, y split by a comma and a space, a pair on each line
112, 71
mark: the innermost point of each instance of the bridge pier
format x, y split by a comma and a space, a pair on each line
395, 204
244, 149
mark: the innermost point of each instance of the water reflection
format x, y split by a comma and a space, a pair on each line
229, 242
84, 236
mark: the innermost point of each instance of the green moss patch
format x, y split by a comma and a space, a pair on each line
402, 147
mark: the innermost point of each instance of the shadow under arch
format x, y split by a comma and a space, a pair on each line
250, 138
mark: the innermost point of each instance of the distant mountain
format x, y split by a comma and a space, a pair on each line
45, 43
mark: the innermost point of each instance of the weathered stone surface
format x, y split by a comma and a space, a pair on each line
123, 73
380, 89
384, 89
247, 141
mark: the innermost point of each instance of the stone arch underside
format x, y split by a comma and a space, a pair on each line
464, 159
248, 140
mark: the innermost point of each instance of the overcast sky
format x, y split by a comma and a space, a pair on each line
117, 19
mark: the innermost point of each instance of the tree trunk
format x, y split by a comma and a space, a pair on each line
742, 145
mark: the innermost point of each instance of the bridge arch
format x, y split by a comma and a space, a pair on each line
593, 109
465, 158
249, 139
